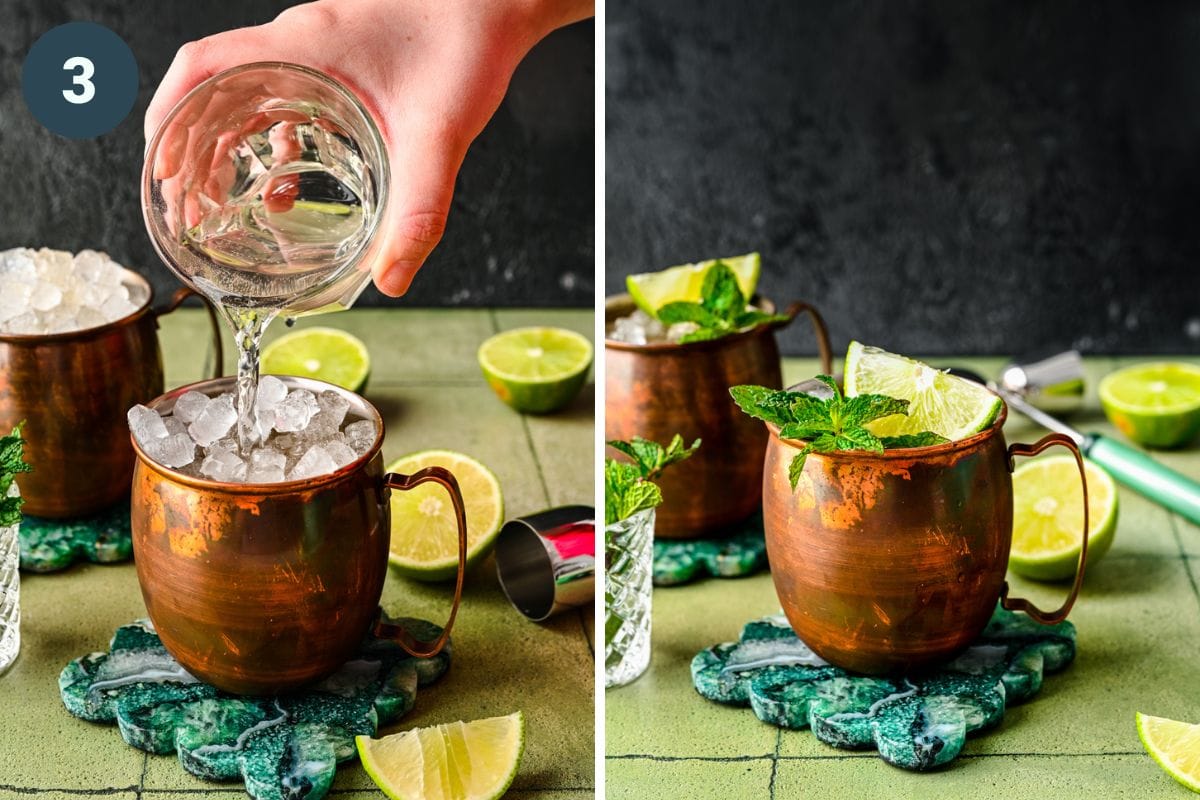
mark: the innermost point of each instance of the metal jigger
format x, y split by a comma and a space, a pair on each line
546, 562
1053, 383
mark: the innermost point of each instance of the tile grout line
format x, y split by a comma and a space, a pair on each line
141, 787
1184, 557
775, 762
851, 757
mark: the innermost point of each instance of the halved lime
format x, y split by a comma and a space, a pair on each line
937, 401
1157, 405
456, 761
1048, 517
653, 290
424, 529
1174, 745
536, 370
326, 354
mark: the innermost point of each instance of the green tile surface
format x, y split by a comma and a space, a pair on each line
426, 383
1138, 621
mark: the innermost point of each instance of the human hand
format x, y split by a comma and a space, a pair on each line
431, 72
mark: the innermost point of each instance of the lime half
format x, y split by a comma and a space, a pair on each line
1174, 745
536, 370
937, 401
1157, 405
653, 290
456, 761
1048, 517
325, 354
424, 528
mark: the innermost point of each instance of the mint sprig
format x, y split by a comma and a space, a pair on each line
828, 424
722, 309
12, 461
629, 486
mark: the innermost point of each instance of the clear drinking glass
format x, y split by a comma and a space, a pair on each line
264, 189
10, 590
629, 552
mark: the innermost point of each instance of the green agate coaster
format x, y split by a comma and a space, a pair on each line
737, 552
281, 747
50, 545
918, 722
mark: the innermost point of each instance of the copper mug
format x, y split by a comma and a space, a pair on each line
262, 588
658, 390
889, 562
72, 390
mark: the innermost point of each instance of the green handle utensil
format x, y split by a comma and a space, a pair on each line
1144, 475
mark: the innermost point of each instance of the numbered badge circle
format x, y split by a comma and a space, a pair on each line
80, 80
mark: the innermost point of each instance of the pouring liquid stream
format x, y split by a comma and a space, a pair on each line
280, 233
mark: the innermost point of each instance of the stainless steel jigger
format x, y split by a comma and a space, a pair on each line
546, 562
1053, 384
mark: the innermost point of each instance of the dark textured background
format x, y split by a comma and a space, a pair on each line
521, 229
938, 177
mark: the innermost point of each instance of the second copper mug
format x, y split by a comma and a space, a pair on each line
72, 390
262, 588
658, 390
889, 562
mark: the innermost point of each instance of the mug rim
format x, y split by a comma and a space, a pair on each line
615, 301
357, 401
905, 453
96, 330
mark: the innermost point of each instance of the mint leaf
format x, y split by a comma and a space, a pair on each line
861, 409
672, 313
922, 439
641, 496
721, 294
752, 317
832, 384
703, 335
826, 424
769, 405
721, 311
794, 430
12, 461
629, 487
858, 439
812, 412
796, 468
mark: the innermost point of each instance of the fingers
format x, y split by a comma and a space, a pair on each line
422, 184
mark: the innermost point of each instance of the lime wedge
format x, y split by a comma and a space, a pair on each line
653, 290
424, 529
325, 354
1157, 405
456, 761
937, 401
1174, 745
1048, 517
536, 370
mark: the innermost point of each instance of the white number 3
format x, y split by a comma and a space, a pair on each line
84, 89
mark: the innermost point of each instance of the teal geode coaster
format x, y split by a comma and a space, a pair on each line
916, 723
280, 747
734, 554
48, 545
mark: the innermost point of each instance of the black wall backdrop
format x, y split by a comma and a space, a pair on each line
938, 177
522, 224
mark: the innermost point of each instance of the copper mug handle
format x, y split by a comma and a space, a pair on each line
446, 479
177, 300
1016, 603
818, 328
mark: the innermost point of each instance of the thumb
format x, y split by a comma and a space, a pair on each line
420, 190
